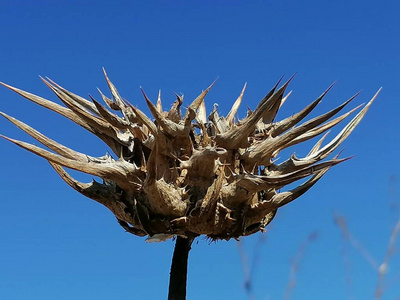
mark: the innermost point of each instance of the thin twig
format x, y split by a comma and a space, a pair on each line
294, 267
394, 203
249, 270
246, 270
383, 268
257, 254
347, 266
342, 223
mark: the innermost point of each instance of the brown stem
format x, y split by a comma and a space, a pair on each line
178, 274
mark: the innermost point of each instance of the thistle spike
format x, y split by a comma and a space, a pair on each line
311, 124
159, 105
197, 102
174, 113
287, 123
51, 144
347, 130
78, 99
321, 129
170, 127
201, 115
317, 145
65, 112
261, 210
230, 118
284, 198
144, 120
285, 98
117, 98
121, 172
111, 118
236, 137
110, 103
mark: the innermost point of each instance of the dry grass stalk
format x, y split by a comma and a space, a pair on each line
341, 222
381, 268
295, 264
249, 269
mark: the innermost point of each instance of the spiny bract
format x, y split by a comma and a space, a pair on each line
185, 174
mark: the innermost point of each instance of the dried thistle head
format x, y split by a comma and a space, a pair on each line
187, 174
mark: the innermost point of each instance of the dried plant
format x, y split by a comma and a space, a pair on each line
185, 175
381, 268
249, 269
295, 263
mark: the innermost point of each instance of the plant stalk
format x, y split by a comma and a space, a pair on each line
178, 274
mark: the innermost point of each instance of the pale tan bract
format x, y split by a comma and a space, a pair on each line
190, 175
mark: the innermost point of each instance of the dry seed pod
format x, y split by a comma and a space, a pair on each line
184, 175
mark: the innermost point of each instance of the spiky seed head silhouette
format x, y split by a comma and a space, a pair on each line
185, 174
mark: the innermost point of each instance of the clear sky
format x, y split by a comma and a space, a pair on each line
56, 244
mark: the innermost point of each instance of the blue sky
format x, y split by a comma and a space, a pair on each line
56, 244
